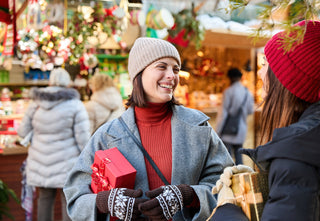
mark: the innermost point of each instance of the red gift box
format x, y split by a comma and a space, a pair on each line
111, 170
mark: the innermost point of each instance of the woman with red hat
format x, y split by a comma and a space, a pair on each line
290, 128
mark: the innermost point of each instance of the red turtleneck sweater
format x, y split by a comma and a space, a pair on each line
154, 124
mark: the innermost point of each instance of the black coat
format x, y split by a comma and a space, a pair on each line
292, 159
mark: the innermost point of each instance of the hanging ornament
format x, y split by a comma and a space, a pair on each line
118, 13
56, 13
123, 11
34, 15
90, 60
137, 17
159, 19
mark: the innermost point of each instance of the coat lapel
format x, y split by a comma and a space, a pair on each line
190, 143
131, 151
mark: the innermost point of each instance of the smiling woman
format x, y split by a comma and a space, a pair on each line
166, 143
160, 79
155, 65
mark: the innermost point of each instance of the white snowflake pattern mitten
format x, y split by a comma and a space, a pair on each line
121, 203
167, 201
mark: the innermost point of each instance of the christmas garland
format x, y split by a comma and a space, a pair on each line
44, 48
80, 29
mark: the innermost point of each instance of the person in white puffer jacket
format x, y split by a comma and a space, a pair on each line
105, 102
60, 126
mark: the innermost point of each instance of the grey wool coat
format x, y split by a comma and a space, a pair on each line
198, 159
233, 97
60, 127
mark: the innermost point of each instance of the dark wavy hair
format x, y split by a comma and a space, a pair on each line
138, 97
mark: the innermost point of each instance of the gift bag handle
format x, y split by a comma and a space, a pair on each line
145, 153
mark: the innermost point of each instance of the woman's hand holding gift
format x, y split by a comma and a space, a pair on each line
223, 185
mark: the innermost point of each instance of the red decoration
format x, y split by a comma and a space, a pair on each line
82, 65
8, 42
109, 11
8, 15
179, 38
5, 15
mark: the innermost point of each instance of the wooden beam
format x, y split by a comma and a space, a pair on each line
231, 40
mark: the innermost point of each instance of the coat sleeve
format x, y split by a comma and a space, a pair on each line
26, 124
229, 212
216, 160
293, 191
80, 199
81, 126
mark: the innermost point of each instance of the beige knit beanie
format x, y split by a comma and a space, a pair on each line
147, 50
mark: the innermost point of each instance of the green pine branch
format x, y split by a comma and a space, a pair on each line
296, 11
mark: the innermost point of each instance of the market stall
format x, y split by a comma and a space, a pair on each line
86, 38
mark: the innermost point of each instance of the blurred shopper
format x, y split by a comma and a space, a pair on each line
235, 97
105, 102
60, 126
290, 129
180, 141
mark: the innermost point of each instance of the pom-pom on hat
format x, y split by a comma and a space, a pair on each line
59, 77
299, 69
147, 50
234, 73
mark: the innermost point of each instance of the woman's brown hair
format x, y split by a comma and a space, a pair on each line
280, 108
138, 97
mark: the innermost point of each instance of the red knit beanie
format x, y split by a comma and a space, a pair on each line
298, 70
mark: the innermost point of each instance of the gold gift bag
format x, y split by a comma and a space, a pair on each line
251, 191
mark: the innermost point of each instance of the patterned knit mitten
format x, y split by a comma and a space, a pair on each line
121, 203
166, 201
